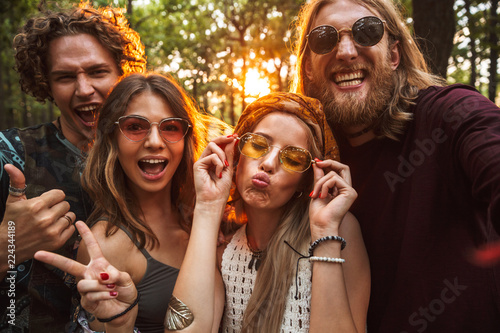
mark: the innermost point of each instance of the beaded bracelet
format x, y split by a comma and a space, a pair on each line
107, 320
322, 239
326, 259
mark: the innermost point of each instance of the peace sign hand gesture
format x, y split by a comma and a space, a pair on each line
105, 290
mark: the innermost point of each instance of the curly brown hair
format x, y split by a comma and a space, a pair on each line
107, 24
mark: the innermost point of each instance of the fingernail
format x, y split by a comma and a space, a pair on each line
220, 175
113, 293
104, 276
317, 159
311, 194
236, 142
110, 286
320, 195
230, 136
226, 163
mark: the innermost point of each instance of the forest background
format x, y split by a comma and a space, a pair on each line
228, 53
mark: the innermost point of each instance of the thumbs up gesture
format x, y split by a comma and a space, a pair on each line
40, 223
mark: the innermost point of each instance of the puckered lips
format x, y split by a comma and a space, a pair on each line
261, 180
348, 79
153, 168
87, 114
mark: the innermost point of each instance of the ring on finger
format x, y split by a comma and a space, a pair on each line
16, 191
70, 221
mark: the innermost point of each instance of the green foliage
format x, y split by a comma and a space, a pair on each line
211, 46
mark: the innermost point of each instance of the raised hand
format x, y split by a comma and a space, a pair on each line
105, 291
41, 223
213, 171
332, 196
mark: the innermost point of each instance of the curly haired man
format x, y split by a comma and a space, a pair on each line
70, 58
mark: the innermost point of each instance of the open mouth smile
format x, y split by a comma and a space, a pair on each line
152, 167
348, 79
87, 114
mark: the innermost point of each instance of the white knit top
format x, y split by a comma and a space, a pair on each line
239, 281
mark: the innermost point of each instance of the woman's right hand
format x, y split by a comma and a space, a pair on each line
213, 172
105, 290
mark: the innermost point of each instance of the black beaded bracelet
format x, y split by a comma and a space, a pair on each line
107, 320
322, 239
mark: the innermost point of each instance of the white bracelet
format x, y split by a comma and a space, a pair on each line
326, 259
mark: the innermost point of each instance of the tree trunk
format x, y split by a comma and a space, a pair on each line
3, 111
493, 40
434, 23
10, 111
472, 34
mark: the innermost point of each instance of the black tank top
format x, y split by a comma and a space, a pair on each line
156, 289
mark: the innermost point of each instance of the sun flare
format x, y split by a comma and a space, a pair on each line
255, 85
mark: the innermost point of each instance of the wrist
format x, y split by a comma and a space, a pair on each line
210, 210
317, 233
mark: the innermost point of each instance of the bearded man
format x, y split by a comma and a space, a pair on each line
425, 161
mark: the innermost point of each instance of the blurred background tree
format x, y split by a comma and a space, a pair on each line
227, 53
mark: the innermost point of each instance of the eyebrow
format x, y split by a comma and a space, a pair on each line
269, 138
87, 69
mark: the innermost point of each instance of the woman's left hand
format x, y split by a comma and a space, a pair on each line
332, 196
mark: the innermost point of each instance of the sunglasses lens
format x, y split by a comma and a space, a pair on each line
295, 159
135, 129
368, 31
254, 146
322, 39
173, 130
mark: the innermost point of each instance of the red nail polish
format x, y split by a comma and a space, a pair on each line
104, 276
320, 195
226, 163
311, 194
113, 293
220, 175
110, 286
317, 159
230, 136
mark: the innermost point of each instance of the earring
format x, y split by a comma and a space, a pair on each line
297, 194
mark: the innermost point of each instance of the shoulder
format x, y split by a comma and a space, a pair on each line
455, 99
115, 247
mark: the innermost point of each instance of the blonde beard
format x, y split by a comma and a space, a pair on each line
354, 109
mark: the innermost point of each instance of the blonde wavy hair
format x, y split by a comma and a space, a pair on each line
266, 306
410, 77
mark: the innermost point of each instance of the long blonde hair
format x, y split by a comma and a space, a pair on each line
411, 75
266, 306
103, 177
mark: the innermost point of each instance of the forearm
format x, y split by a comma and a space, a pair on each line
329, 300
195, 285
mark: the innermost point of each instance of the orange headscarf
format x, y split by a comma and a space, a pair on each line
309, 110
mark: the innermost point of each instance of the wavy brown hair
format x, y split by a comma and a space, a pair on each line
411, 75
103, 177
108, 25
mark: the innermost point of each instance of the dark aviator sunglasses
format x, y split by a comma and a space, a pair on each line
367, 31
